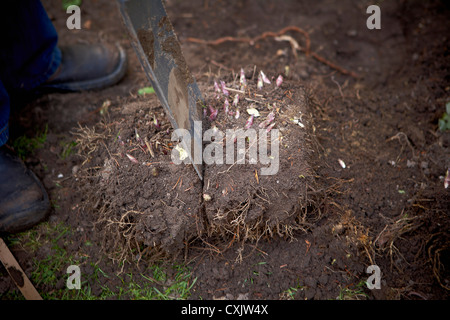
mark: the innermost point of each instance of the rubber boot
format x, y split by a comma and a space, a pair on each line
86, 67
23, 199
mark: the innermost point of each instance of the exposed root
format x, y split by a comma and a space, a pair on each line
276, 35
439, 247
355, 233
88, 140
245, 224
393, 231
397, 136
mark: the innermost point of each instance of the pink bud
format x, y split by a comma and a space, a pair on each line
224, 90
279, 80
264, 78
156, 123
260, 82
236, 100
216, 86
213, 114
132, 159
242, 79
226, 106
249, 122
268, 120
270, 127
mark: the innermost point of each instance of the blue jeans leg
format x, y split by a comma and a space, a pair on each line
4, 114
29, 53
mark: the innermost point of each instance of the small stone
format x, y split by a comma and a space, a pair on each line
75, 169
410, 163
242, 296
352, 33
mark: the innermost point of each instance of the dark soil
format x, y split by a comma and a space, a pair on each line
315, 226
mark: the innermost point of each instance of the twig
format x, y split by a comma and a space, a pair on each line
235, 90
110, 154
252, 100
397, 136
176, 183
149, 147
334, 66
217, 64
339, 86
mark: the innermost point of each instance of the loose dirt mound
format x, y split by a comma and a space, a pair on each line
247, 203
146, 204
141, 199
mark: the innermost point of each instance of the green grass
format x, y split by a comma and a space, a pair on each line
353, 293
68, 148
260, 268
444, 121
159, 281
289, 294
68, 3
26, 146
